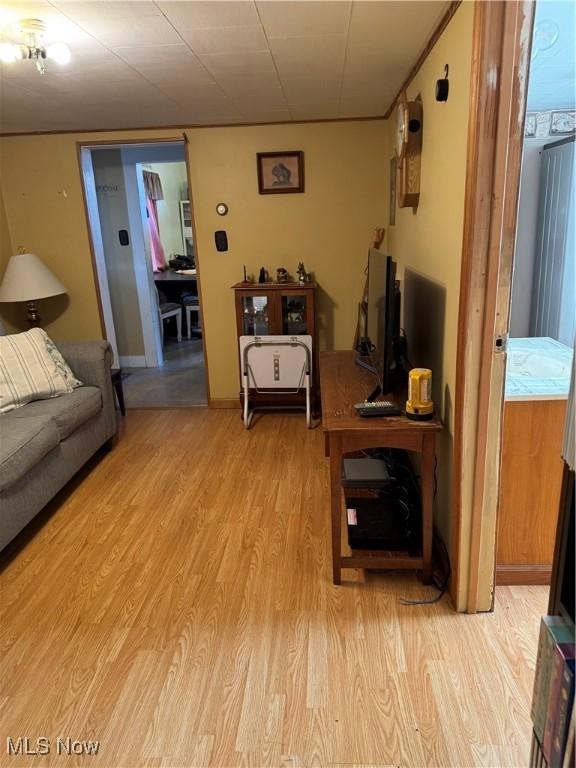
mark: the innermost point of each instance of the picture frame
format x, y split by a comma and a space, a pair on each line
280, 173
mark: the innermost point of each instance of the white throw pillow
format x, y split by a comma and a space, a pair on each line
61, 364
28, 371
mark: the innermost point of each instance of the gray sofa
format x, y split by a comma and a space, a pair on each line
44, 443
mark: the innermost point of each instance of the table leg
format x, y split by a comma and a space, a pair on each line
428, 460
118, 388
336, 504
120, 393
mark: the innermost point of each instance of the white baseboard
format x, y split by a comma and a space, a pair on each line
132, 361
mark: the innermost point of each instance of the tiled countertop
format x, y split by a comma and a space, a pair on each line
537, 369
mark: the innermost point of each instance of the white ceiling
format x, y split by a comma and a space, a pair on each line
171, 62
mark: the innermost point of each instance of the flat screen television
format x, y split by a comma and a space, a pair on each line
382, 323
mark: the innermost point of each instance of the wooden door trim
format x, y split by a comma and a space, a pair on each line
117, 144
502, 34
104, 143
95, 276
197, 263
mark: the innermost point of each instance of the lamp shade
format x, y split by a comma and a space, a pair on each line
27, 278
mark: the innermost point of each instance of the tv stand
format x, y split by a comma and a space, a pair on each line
343, 384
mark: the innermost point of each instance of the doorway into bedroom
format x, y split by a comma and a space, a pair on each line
543, 308
140, 216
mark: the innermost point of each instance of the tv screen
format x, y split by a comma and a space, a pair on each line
382, 316
376, 297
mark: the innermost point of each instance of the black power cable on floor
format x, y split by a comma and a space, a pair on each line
440, 575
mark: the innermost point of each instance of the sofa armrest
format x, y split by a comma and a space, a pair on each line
91, 362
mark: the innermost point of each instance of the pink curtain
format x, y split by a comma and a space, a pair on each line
158, 258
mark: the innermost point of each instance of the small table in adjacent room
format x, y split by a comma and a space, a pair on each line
173, 285
343, 383
180, 289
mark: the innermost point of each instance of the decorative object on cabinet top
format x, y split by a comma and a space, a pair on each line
255, 287
303, 276
282, 275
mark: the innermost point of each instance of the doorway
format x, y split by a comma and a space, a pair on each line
543, 309
502, 45
140, 220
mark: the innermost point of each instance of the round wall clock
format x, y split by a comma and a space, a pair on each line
221, 209
408, 150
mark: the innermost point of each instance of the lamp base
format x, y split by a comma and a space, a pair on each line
32, 314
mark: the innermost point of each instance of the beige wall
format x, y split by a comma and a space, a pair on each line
328, 227
428, 244
6, 312
40, 180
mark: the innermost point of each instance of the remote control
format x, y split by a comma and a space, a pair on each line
378, 408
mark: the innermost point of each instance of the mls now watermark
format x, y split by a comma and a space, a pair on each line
23, 745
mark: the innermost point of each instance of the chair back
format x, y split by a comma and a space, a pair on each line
160, 299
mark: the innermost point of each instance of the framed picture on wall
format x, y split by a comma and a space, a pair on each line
393, 166
280, 172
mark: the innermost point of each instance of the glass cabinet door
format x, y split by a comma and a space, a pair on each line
255, 316
294, 311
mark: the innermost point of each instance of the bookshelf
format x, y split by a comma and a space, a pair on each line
561, 604
186, 227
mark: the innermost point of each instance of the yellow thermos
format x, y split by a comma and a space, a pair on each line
419, 405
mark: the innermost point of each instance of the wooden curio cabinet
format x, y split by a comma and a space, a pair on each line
277, 309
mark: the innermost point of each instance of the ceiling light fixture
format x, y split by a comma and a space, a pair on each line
34, 49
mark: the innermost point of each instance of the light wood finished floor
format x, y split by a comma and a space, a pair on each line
181, 612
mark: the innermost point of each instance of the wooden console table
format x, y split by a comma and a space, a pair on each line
344, 383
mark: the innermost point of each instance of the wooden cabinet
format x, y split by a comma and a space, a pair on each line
531, 481
277, 309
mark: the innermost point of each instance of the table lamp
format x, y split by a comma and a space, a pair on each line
28, 279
